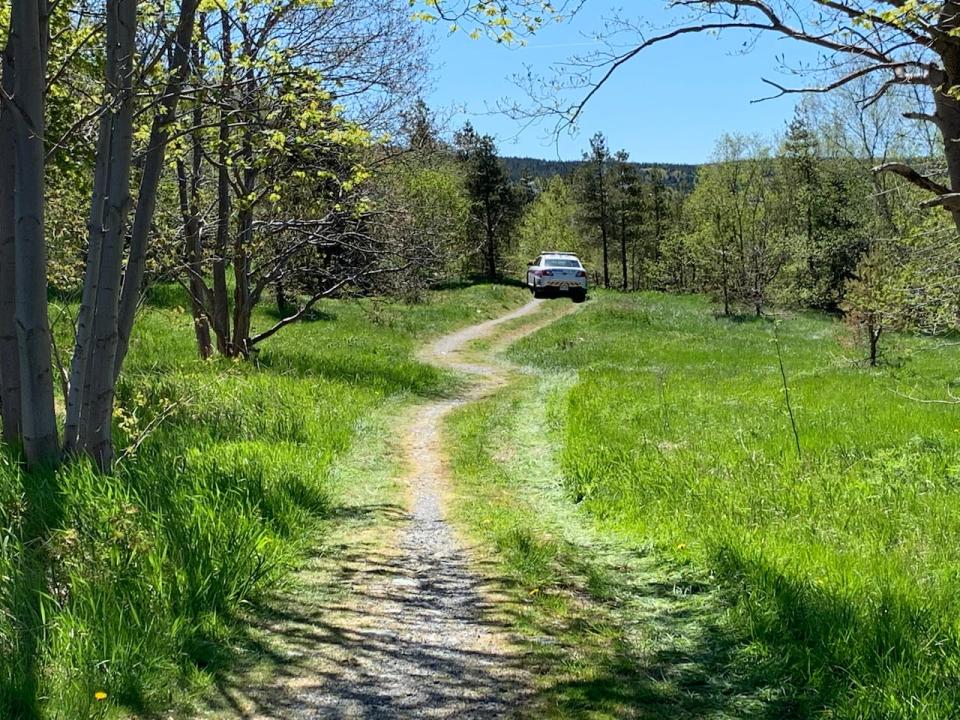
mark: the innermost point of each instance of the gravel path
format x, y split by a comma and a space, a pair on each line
418, 639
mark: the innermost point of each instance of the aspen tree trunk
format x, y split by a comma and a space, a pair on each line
221, 319
241, 273
243, 240
83, 351
33, 326
193, 248
9, 351
190, 210
150, 181
96, 428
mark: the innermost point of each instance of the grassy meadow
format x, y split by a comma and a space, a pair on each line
830, 574
118, 593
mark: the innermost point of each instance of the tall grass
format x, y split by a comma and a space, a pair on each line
842, 564
129, 585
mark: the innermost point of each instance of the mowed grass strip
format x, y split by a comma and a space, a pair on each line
841, 564
118, 592
609, 629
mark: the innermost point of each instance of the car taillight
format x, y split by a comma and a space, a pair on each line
581, 273
543, 273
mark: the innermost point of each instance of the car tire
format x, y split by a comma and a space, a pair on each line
579, 296
537, 292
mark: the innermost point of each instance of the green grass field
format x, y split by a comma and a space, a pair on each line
669, 552
132, 585
841, 564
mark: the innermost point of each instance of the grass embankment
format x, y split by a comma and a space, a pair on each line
131, 585
838, 568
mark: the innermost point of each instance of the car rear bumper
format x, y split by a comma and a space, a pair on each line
566, 285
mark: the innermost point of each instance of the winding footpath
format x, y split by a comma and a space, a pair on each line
414, 634
431, 649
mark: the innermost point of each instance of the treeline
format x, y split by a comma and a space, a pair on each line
808, 219
803, 220
678, 176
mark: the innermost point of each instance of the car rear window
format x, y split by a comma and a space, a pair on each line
561, 263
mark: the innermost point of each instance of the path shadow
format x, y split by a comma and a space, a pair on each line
357, 652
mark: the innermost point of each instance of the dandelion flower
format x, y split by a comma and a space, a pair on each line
100, 695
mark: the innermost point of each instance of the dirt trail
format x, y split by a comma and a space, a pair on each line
415, 635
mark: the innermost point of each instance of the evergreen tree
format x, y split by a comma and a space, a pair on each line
822, 212
492, 200
628, 208
596, 196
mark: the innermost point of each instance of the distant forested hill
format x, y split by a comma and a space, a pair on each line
681, 177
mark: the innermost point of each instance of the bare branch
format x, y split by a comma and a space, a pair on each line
317, 297
948, 201
899, 78
912, 176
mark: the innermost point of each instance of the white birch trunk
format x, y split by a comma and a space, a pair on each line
9, 351
33, 327
96, 437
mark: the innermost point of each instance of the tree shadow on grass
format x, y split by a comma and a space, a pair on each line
744, 318
358, 637
32, 588
644, 641
634, 649
886, 646
314, 314
384, 373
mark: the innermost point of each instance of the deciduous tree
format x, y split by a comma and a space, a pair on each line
102, 323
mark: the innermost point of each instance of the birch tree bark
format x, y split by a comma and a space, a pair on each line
40, 441
96, 423
9, 352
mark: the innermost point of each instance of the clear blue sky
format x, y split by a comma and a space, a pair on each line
670, 104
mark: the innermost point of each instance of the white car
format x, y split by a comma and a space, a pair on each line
557, 272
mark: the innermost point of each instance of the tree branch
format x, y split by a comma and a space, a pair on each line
912, 176
305, 308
